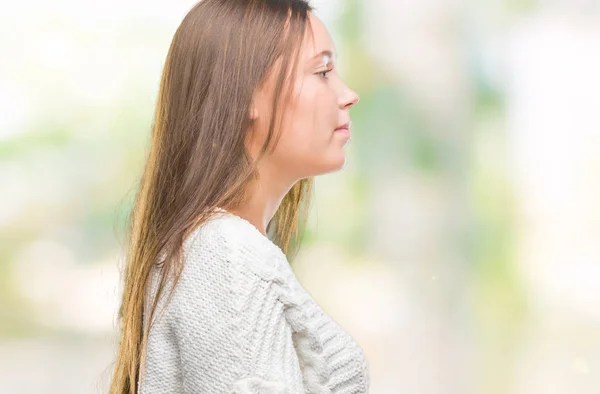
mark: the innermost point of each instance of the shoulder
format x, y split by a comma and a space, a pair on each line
232, 314
225, 261
226, 242
225, 264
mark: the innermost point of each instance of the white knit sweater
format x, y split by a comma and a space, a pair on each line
240, 322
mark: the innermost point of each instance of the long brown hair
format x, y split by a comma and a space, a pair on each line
222, 52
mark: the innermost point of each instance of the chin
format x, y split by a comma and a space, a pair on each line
334, 164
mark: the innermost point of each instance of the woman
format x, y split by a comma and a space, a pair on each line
250, 108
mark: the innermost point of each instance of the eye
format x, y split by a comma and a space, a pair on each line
323, 74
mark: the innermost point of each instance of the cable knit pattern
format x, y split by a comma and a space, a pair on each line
240, 322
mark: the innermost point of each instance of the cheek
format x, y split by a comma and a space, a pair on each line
308, 144
313, 115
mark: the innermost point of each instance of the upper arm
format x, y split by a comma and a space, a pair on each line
231, 330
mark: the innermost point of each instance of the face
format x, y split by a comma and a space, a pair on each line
310, 144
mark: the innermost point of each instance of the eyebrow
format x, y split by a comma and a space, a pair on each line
319, 55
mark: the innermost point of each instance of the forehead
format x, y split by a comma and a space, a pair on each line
317, 39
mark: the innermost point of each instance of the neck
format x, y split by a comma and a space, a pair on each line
266, 194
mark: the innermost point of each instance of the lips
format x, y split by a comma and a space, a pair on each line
345, 126
343, 131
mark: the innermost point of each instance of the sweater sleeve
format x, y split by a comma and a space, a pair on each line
231, 330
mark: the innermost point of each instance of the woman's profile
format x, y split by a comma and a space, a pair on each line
250, 108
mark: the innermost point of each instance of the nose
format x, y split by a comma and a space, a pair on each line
349, 98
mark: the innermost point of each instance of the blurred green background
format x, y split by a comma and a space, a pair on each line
460, 246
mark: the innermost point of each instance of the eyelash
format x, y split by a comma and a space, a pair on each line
324, 72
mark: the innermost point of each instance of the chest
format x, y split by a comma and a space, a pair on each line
330, 353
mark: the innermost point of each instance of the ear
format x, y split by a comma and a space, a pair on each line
256, 104
253, 112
